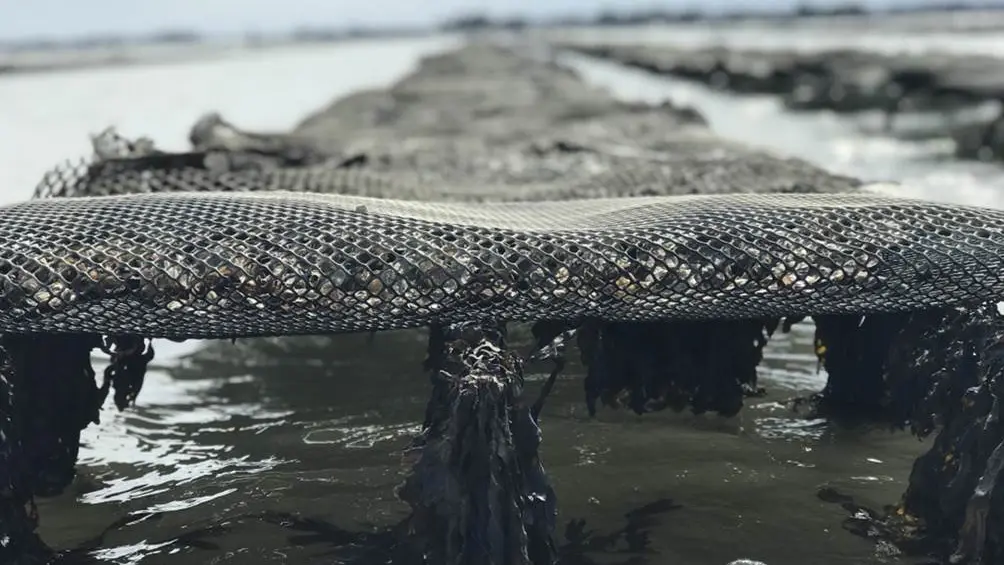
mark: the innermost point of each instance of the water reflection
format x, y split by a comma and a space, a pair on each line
629, 544
289, 450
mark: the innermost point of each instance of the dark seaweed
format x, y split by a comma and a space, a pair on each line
653, 366
478, 491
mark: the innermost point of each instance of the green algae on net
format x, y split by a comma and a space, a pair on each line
669, 296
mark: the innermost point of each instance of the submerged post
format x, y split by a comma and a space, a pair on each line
478, 492
18, 541
953, 500
48, 395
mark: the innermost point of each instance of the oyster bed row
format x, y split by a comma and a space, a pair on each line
845, 81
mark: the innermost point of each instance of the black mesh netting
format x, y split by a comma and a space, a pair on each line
215, 265
491, 187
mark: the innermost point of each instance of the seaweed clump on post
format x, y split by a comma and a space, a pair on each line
954, 498
48, 395
709, 366
855, 350
478, 491
896, 369
944, 373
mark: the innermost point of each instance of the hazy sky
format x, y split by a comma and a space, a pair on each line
61, 18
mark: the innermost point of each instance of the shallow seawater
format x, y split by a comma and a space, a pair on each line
289, 450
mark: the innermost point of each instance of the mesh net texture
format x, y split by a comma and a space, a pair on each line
486, 186
227, 265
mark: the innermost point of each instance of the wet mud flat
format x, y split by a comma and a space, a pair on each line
847, 81
488, 124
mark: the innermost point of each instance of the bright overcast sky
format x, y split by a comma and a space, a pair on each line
21, 19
